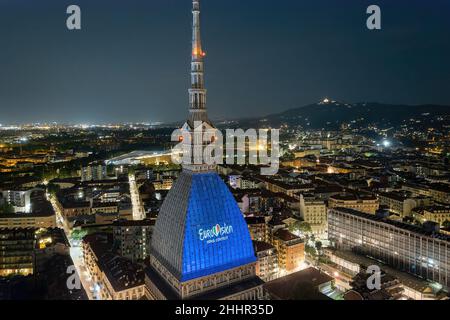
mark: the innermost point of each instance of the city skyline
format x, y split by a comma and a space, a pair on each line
344, 201
265, 60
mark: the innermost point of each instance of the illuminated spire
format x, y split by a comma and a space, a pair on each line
197, 53
197, 92
198, 120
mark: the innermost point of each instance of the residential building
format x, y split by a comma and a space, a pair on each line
402, 203
348, 264
118, 277
258, 228
419, 251
314, 212
290, 249
93, 172
133, 238
19, 198
267, 265
40, 215
439, 214
31, 220
361, 202
439, 192
390, 288
17, 251
25, 251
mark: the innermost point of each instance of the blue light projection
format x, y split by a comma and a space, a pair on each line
216, 236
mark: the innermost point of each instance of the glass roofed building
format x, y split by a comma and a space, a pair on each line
201, 245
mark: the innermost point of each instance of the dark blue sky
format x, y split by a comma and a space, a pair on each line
130, 62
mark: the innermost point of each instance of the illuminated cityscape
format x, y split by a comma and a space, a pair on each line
359, 208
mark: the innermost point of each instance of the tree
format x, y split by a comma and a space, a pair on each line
305, 227
79, 234
301, 226
319, 247
446, 224
131, 170
6, 208
288, 156
309, 250
53, 188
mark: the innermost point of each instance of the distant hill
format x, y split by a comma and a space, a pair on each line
331, 114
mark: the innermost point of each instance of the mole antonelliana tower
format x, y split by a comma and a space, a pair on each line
201, 247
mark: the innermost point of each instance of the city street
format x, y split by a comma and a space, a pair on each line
138, 209
76, 254
90, 287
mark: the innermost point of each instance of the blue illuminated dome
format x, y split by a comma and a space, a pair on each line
200, 229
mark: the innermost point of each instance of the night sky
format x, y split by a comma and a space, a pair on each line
130, 61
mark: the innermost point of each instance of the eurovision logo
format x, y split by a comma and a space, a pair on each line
217, 232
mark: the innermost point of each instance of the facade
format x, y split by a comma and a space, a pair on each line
165, 183
133, 238
244, 182
24, 251
437, 214
408, 248
104, 207
109, 218
359, 202
11, 221
277, 186
17, 251
93, 172
402, 203
258, 228
40, 213
108, 212
201, 246
70, 209
267, 266
290, 250
314, 212
20, 199
437, 191
440, 193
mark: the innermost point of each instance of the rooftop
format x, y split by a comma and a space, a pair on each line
134, 223
255, 220
285, 235
401, 225
262, 246
301, 285
353, 196
405, 278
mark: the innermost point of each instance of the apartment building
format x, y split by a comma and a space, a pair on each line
361, 202
413, 249
290, 249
